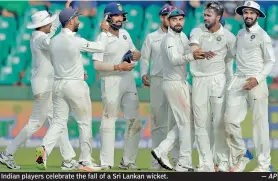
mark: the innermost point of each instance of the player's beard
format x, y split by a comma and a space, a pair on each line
76, 28
175, 29
251, 23
210, 25
116, 27
165, 26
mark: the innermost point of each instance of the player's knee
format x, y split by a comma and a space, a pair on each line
34, 125
134, 124
231, 128
108, 123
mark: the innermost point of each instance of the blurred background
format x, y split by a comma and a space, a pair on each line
15, 60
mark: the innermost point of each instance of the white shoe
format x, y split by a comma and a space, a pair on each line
89, 167
223, 166
181, 168
261, 169
205, 168
106, 167
129, 166
162, 159
70, 165
242, 161
8, 160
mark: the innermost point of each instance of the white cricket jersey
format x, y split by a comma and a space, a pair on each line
115, 49
65, 52
42, 70
151, 51
221, 42
175, 52
255, 55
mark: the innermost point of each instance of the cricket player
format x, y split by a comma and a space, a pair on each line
175, 52
118, 90
158, 103
70, 92
208, 87
248, 89
45, 26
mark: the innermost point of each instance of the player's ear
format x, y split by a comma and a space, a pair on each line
218, 18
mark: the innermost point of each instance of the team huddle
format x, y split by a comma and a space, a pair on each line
208, 113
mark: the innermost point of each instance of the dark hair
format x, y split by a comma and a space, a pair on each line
216, 6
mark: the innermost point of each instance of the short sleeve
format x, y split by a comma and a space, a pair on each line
195, 36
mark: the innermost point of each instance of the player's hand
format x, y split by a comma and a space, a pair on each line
209, 55
104, 25
252, 82
198, 54
68, 4
85, 76
136, 55
145, 79
124, 66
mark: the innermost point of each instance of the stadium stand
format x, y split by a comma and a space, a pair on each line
15, 57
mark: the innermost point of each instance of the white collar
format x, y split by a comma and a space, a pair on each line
38, 32
159, 30
68, 31
253, 28
220, 31
173, 33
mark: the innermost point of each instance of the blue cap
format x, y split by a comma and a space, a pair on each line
114, 9
165, 10
67, 14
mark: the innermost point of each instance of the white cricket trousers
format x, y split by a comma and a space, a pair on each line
119, 93
238, 101
178, 97
210, 92
42, 110
71, 95
159, 116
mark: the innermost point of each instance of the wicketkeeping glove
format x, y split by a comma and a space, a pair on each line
127, 57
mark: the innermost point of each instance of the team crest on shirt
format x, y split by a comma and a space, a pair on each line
252, 37
218, 38
124, 37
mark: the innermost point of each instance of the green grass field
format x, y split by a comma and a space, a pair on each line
25, 157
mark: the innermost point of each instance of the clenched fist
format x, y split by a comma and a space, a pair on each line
136, 55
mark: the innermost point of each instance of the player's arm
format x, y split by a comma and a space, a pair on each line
269, 58
108, 67
195, 44
55, 25
100, 44
144, 61
229, 59
100, 65
93, 47
175, 57
135, 53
